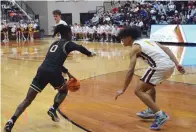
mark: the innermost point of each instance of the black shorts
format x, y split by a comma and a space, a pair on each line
47, 75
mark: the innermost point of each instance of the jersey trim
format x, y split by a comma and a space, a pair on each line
148, 75
64, 47
149, 59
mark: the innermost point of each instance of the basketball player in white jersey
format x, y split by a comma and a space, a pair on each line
162, 63
57, 18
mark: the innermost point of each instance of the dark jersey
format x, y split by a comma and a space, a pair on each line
59, 51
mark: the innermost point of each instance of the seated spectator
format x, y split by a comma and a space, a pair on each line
163, 21
194, 20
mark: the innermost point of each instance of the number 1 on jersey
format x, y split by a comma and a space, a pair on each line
53, 48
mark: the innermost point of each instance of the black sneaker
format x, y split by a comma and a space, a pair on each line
53, 115
8, 126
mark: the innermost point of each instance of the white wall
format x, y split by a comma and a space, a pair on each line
41, 8
71, 7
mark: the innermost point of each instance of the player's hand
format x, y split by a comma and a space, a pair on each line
92, 54
118, 93
180, 68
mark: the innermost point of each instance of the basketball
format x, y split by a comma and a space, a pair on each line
73, 85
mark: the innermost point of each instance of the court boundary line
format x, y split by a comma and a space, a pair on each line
71, 121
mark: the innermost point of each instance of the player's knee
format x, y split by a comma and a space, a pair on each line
138, 91
63, 89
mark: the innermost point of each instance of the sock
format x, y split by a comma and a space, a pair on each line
14, 118
55, 106
159, 113
150, 110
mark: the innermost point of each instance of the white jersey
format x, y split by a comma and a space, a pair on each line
94, 28
154, 55
13, 29
91, 30
102, 29
72, 29
114, 31
61, 22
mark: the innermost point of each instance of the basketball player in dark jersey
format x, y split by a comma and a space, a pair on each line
50, 71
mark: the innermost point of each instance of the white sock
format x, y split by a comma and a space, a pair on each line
10, 120
159, 113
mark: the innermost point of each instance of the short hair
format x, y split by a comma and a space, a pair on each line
57, 12
64, 30
133, 32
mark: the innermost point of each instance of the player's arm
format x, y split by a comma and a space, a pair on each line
169, 53
65, 71
136, 49
172, 57
73, 46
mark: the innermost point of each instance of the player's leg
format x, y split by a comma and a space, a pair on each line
16, 36
5, 38
148, 82
148, 113
160, 116
141, 92
19, 33
38, 84
59, 84
152, 93
20, 109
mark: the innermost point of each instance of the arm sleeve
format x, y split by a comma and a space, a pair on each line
64, 70
71, 46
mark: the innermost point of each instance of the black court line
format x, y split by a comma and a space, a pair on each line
74, 123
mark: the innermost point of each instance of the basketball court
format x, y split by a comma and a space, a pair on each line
93, 107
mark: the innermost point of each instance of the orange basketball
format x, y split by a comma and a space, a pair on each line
73, 85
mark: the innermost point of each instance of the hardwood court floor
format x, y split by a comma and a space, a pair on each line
93, 106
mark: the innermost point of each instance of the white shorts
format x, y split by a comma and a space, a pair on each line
156, 76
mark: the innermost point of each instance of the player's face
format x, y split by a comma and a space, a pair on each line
126, 41
57, 18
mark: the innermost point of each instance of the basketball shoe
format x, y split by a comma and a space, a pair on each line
8, 126
160, 119
52, 113
146, 114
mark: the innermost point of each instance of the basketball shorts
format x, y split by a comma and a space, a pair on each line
155, 76
47, 75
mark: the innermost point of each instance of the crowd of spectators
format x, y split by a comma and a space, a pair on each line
11, 12
146, 13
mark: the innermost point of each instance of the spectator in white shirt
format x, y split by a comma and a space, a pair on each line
57, 18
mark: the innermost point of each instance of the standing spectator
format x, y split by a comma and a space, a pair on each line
171, 9
5, 32
18, 32
13, 30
